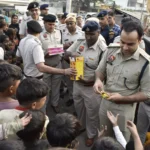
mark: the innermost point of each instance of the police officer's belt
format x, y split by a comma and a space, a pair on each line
39, 77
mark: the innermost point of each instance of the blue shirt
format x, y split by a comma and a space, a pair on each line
105, 33
116, 29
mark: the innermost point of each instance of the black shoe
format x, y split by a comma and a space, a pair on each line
56, 109
69, 102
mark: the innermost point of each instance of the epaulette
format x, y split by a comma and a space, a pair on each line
144, 54
114, 45
37, 41
80, 39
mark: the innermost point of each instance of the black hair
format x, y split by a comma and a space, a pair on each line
2, 23
13, 15
111, 13
62, 130
10, 32
126, 19
3, 38
107, 143
32, 132
8, 74
31, 90
10, 145
133, 26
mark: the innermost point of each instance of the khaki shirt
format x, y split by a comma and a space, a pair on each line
91, 56
51, 40
70, 38
117, 69
23, 25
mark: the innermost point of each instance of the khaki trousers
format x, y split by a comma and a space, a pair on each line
143, 120
125, 111
87, 104
53, 81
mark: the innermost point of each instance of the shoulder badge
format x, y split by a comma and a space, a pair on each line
144, 54
115, 45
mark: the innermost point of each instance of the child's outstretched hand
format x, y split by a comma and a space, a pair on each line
102, 132
132, 127
113, 119
26, 119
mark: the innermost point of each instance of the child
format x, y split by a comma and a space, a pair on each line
10, 76
31, 94
31, 133
63, 130
119, 136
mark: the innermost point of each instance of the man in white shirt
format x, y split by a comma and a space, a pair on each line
33, 8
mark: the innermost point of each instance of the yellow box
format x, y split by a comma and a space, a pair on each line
78, 64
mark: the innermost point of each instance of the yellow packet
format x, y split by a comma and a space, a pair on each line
78, 64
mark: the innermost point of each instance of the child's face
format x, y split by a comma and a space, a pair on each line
40, 103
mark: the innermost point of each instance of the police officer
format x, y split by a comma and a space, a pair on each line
85, 100
72, 33
123, 72
34, 11
69, 37
52, 37
103, 20
31, 52
44, 10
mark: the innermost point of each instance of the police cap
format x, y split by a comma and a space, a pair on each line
91, 26
34, 26
44, 6
49, 18
64, 15
102, 14
33, 5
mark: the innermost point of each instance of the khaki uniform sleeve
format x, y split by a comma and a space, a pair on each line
103, 63
145, 82
73, 47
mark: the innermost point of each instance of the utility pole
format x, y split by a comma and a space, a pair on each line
68, 6
142, 10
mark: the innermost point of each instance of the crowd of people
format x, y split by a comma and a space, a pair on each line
111, 99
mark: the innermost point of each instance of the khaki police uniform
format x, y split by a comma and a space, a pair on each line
68, 38
30, 49
23, 25
64, 29
86, 101
122, 77
52, 39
